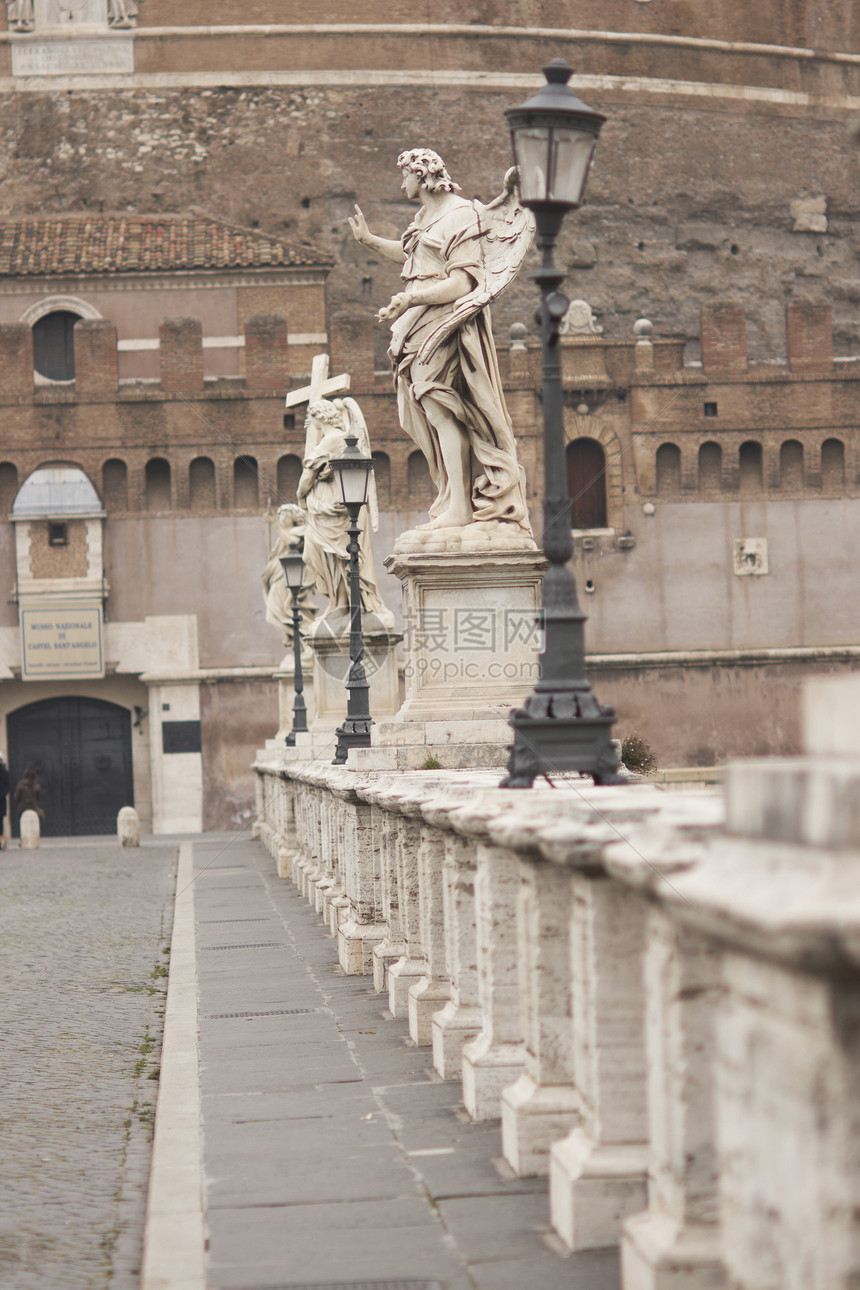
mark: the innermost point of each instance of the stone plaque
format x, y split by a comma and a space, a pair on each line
750, 557
61, 642
67, 57
181, 737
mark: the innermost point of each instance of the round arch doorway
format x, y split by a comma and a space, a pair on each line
81, 750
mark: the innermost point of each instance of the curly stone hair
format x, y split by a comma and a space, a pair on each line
430, 169
325, 411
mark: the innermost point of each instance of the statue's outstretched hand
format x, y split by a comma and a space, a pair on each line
396, 306
358, 224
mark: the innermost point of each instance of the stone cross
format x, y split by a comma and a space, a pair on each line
322, 385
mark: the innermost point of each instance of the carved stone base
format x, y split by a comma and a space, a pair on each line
593, 1189
330, 646
426, 998
385, 955
533, 1118
338, 912
355, 942
488, 1069
405, 973
453, 1028
658, 1255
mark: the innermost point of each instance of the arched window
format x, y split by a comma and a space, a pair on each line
56, 488
289, 474
201, 484
246, 485
115, 485
158, 484
750, 468
54, 345
420, 485
668, 470
832, 464
791, 466
586, 484
382, 475
710, 468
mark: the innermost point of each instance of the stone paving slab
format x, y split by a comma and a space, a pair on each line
83, 929
333, 1153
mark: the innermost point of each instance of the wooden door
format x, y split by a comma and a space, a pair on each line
81, 751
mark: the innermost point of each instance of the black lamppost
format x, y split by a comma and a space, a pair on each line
352, 472
293, 566
561, 725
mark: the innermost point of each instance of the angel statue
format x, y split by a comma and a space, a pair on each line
457, 256
326, 520
121, 13
290, 521
19, 15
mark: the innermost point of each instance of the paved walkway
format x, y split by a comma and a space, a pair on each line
84, 933
333, 1154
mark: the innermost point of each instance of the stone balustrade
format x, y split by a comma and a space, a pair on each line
657, 995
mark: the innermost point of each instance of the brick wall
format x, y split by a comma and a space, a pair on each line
182, 355
96, 360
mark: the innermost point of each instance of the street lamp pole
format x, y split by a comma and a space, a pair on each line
561, 726
352, 471
293, 566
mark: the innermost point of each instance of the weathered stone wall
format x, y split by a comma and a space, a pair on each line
722, 171
236, 717
800, 22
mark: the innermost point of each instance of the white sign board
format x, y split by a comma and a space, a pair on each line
62, 642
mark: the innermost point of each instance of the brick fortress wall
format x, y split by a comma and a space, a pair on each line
723, 169
101, 423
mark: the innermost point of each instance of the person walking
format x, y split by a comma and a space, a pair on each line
27, 797
5, 785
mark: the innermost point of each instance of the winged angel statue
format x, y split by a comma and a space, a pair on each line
457, 256
325, 537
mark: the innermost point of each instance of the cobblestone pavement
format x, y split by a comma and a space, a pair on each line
84, 938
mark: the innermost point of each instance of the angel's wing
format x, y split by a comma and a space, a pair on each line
507, 230
356, 423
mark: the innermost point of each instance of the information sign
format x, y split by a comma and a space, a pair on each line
60, 642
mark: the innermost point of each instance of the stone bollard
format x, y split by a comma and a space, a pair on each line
128, 827
30, 831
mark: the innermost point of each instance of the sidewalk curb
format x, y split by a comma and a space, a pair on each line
174, 1241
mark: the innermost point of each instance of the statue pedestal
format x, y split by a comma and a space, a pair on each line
329, 642
471, 643
470, 631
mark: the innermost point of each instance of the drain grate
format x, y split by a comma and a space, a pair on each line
273, 1012
211, 922
357, 1285
254, 945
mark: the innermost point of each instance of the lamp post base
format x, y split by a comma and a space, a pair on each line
548, 745
354, 733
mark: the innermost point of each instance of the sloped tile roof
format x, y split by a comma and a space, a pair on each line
78, 244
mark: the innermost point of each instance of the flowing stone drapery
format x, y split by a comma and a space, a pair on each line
456, 255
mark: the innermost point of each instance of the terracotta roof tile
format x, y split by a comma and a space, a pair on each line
140, 244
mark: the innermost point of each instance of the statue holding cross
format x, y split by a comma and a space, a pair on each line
322, 386
328, 420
